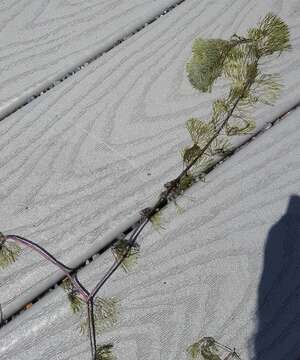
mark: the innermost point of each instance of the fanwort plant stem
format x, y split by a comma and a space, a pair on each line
70, 273
163, 199
91, 326
45, 254
131, 241
90, 301
237, 60
147, 214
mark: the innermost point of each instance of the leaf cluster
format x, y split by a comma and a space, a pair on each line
201, 132
207, 348
270, 36
104, 352
236, 60
76, 303
207, 62
128, 254
213, 58
105, 315
105, 309
9, 252
204, 349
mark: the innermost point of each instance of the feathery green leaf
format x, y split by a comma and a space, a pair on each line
271, 35
105, 315
266, 88
104, 352
204, 349
240, 127
199, 130
76, 303
119, 250
206, 64
194, 350
9, 251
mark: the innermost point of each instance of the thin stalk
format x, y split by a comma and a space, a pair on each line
231, 351
131, 241
49, 257
162, 201
109, 273
174, 183
91, 326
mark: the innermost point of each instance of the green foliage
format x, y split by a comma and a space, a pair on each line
219, 109
240, 127
119, 250
266, 88
191, 153
104, 352
238, 61
207, 348
206, 63
76, 303
194, 350
235, 58
105, 315
201, 133
204, 349
271, 35
185, 182
9, 251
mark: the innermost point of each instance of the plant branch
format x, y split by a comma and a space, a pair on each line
208, 63
131, 241
173, 184
91, 328
46, 255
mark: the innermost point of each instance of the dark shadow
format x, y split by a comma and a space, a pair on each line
278, 308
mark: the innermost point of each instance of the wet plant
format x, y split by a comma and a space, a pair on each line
207, 348
238, 61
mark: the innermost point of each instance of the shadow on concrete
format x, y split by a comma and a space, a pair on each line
278, 308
